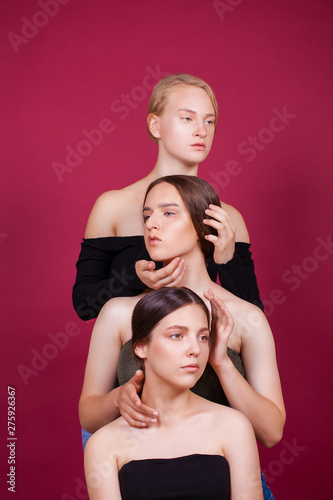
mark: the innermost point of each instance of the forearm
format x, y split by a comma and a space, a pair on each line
89, 297
97, 411
265, 416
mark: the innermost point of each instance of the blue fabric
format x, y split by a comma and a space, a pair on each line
268, 495
85, 436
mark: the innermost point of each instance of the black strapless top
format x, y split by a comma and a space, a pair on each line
208, 386
192, 477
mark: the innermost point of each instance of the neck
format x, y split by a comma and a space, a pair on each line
169, 165
171, 403
196, 276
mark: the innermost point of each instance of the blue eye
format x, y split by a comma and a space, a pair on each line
169, 214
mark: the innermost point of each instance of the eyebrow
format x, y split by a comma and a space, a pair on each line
183, 327
194, 112
161, 205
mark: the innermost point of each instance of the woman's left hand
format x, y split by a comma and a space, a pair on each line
221, 328
224, 242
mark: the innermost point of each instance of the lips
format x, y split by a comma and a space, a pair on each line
199, 146
193, 367
153, 240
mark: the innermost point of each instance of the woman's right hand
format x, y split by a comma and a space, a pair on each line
130, 406
170, 275
222, 326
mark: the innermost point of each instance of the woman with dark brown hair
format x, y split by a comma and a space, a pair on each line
242, 370
197, 449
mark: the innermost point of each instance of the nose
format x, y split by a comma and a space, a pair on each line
152, 222
193, 348
200, 130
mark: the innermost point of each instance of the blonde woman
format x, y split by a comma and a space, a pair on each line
182, 118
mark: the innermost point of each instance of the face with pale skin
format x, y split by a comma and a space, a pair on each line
168, 229
178, 350
186, 127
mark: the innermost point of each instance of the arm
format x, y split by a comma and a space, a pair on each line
98, 402
105, 267
238, 275
100, 279
101, 401
259, 396
101, 470
242, 454
232, 257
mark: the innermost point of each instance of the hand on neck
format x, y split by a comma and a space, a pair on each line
196, 276
171, 403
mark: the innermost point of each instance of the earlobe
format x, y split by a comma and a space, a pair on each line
154, 125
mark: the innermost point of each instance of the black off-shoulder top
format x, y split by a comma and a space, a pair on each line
106, 269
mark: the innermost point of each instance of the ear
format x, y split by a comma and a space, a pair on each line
141, 350
153, 123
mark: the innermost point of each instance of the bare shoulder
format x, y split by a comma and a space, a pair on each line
105, 442
105, 213
231, 418
230, 424
120, 307
115, 210
238, 221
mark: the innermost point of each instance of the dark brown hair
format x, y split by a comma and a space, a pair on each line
197, 195
156, 305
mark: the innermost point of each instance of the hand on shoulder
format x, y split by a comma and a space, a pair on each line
239, 223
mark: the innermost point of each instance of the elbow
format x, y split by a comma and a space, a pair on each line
82, 309
275, 435
84, 421
272, 439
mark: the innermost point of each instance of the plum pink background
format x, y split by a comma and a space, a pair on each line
68, 76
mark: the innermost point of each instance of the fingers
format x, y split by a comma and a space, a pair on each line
220, 312
144, 265
137, 380
135, 419
219, 214
142, 416
220, 220
169, 275
132, 409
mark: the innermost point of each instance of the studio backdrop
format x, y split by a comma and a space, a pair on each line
76, 80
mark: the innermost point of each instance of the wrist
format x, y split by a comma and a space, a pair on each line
222, 366
224, 258
114, 398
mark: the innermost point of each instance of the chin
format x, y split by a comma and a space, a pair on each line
161, 257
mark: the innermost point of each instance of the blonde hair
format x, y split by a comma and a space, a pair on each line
166, 85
